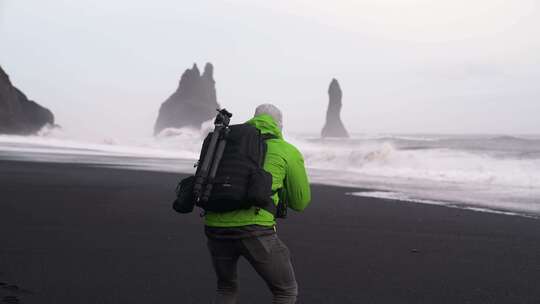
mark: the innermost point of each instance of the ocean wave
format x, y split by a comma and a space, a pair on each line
439, 172
509, 138
444, 165
59, 142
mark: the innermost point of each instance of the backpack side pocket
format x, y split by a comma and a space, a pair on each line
260, 190
184, 202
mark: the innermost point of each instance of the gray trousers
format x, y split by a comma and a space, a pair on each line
268, 256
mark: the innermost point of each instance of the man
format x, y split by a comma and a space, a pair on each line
251, 232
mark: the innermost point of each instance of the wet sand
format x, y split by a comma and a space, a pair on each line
80, 234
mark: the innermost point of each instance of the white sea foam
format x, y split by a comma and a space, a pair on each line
443, 165
467, 177
396, 196
174, 144
483, 171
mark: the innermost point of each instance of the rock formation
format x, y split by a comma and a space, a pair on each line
18, 115
334, 126
193, 103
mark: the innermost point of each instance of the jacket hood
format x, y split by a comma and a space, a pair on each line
266, 124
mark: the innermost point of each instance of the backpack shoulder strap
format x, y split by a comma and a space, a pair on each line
263, 147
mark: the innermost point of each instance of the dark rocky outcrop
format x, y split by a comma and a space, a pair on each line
193, 103
334, 126
18, 115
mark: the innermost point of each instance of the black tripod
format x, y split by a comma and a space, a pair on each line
207, 170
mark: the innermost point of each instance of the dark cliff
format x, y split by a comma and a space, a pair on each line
334, 126
18, 115
193, 103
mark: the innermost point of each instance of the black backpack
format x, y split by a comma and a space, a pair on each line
240, 181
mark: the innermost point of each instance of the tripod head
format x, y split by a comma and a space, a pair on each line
222, 118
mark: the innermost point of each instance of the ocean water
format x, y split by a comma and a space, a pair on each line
496, 173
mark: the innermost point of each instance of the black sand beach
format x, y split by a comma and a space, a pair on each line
80, 234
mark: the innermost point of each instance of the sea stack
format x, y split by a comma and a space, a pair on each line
334, 126
193, 103
18, 115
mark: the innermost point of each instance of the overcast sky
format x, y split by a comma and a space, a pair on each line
405, 66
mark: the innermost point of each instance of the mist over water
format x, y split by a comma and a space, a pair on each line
483, 171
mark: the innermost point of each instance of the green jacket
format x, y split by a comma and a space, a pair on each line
286, 165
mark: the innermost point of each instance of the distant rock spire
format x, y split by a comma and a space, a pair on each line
18, 115
208, 71
334, 126
193, 103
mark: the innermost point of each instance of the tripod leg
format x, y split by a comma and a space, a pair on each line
204, 169
213, 170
